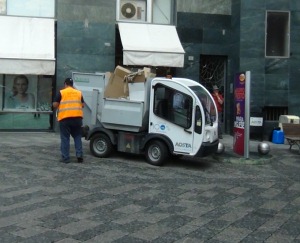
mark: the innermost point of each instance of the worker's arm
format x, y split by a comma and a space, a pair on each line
55, 104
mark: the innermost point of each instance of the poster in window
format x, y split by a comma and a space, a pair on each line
20, 92
2, 6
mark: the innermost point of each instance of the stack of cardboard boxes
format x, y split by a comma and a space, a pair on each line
119, 80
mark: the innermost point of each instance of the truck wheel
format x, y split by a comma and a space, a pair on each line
101, 146
156, 153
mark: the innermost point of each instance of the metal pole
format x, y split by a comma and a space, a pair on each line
247, 114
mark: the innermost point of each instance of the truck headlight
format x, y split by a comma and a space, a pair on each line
207, 136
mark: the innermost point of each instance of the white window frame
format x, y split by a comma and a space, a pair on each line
149, 14
2, 7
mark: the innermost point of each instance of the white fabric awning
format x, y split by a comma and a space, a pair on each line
27, 45
150, 44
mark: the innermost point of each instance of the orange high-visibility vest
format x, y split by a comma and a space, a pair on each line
70, 104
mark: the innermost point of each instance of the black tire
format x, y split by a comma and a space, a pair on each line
100, 145
156, 153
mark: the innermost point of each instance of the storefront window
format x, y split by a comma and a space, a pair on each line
25, 101
32, 8
2, 6
146, 11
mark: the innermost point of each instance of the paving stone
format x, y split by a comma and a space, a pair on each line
120, 199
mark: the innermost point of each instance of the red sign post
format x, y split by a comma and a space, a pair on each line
239, 113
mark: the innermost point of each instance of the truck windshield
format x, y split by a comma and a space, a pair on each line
207, 104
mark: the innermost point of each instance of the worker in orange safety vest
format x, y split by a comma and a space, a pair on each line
69, 104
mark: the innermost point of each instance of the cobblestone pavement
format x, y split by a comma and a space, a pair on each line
221, 198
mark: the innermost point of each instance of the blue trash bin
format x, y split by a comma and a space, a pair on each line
278, 137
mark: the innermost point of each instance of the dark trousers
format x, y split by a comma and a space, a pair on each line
220, 114
70, 126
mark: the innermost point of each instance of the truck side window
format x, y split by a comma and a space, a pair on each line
173, 106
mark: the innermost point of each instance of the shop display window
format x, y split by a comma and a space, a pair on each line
25, 101
26, 93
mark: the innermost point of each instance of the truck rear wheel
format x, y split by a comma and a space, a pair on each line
101, 146
156, 153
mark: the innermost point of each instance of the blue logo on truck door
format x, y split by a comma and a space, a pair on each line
161, 127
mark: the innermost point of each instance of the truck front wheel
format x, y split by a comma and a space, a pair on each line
156, 153
101, 146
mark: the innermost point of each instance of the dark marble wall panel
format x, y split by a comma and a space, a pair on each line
277, 82
191, 68
204, 6
95, 39
252, 34
215, 21
277, 4
207, 34
257, 100
215, 49
199, 21
215, 36
294, 84
85, 37
295, 5
294, 107
69, 62
276, 97
236, 13
101, 11
255, 65
252, 49
250, 4
277, 66
295, 18
295, 43
189, 20
190, 35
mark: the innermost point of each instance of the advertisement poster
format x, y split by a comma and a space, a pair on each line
20, 92
2, 6
239, 113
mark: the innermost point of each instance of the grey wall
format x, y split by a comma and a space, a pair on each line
85, 37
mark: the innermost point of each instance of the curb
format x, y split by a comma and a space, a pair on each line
254, 158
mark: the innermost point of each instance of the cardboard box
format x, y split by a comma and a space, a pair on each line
121, 71
135, 77
147, 73
117, 86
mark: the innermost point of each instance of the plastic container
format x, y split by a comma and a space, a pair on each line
278, 137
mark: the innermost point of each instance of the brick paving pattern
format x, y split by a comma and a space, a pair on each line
123, 199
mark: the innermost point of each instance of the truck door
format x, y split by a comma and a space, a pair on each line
173, 116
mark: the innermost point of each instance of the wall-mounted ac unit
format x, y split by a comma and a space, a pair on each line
132, 10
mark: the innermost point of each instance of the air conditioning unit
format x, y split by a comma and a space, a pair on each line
132, 10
